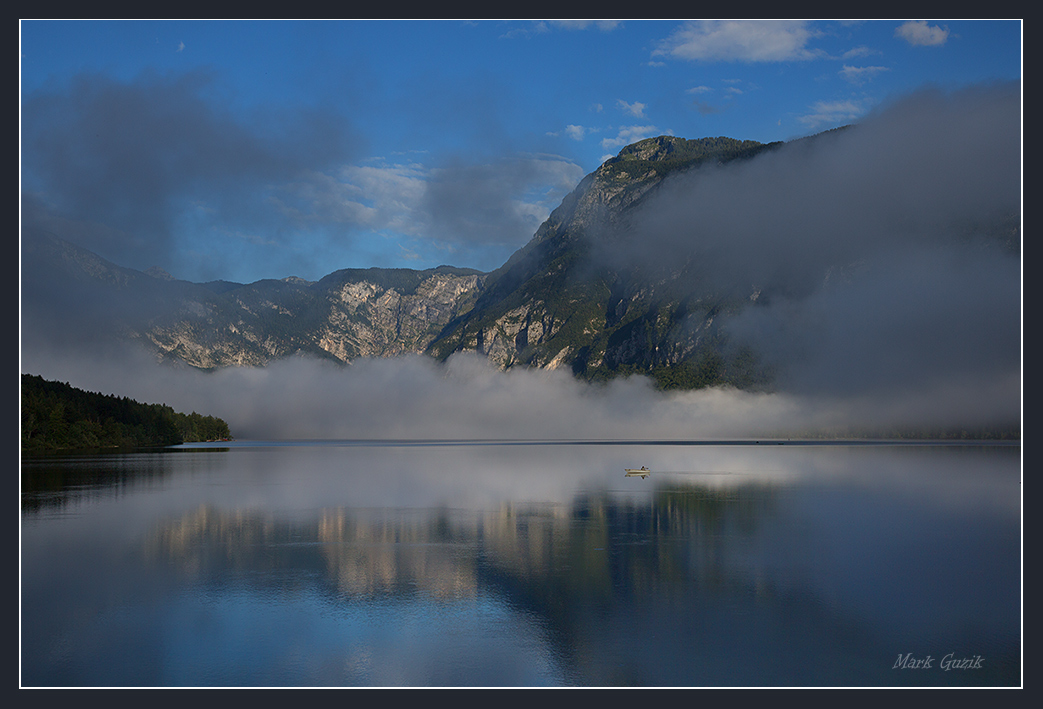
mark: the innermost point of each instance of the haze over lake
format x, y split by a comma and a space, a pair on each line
397, 564
446, 281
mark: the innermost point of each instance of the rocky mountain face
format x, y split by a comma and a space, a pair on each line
550, 305
346, 315
553, 305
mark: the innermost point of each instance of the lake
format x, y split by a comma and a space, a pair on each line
523, 564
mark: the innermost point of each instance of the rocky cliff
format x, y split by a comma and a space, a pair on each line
548, 306
70, 294
553, 305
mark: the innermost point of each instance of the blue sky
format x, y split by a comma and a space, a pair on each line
247, 150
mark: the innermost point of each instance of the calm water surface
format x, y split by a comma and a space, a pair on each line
406, 564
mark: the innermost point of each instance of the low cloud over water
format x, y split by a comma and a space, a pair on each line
887, 256
467, 398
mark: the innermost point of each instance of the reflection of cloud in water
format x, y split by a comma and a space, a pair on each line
723, 552
401, 498
296, 480
540, 555
725, 558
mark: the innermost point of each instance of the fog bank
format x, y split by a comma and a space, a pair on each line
880, 265
884, 256
467, 398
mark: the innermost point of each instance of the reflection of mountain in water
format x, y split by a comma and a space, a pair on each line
595, 547
811, 571
668, 583
562, 565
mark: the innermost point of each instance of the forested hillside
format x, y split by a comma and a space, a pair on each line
58, 416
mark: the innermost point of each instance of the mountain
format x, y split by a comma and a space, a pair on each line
555, 305
348, 314
616, 281
535, 310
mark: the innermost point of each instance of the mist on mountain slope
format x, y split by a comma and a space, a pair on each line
886, 299
875, 259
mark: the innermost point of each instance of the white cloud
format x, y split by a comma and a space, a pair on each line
575, 132
628, 135
375, 198
698, 90
636, 109
458, 206
860, 74
832, 113
919, 33
739, 40
394, 191
861, 51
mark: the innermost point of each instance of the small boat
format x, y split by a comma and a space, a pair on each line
641, 472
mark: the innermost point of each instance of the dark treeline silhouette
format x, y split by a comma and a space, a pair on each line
57, 416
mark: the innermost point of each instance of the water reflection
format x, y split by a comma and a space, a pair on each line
594, 547
507, 565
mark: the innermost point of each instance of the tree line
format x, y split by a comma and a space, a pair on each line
58, 416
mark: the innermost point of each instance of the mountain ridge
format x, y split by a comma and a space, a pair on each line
351, 313
552, 304
542, 309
